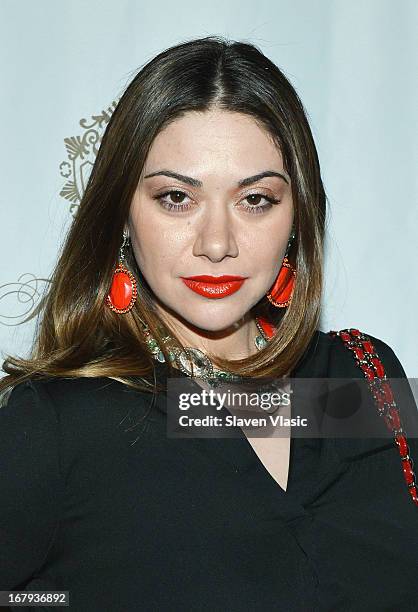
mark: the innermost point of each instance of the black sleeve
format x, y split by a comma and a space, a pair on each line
31, 487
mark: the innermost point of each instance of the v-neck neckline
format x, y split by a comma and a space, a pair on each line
319, 458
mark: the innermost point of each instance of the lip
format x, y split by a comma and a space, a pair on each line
207, 278
214, 287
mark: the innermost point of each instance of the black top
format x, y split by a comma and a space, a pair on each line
129, 522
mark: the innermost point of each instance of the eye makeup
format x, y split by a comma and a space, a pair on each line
181, 206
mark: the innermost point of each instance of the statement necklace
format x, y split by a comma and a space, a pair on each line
194, 362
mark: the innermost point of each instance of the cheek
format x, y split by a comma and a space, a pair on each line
156, 251
267, 256
265, 251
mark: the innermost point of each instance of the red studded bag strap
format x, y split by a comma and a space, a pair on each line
367, 359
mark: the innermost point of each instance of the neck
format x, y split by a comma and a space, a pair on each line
234, 342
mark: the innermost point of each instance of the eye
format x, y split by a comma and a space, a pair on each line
173, 200
177, 195
255, 208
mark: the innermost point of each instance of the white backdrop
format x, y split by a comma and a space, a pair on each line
354, 64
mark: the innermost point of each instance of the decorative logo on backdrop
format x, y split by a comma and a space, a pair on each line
25, 292
81, 153
20, 297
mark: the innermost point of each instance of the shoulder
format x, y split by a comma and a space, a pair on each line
327, 356
61, 395
342, 361
44, 403
343, 364
80, 411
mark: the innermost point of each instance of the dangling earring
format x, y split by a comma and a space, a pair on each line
280, 294
123, 291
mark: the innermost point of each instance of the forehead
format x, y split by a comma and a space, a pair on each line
214, 138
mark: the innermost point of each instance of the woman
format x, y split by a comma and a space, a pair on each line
207, 168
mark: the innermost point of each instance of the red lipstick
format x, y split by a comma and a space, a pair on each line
214, 287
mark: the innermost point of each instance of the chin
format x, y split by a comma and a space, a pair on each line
213, 319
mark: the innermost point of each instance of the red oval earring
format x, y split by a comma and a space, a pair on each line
123, 291
280, 294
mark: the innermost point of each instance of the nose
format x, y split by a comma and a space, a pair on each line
215, 235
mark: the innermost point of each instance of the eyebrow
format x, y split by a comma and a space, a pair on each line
196, 183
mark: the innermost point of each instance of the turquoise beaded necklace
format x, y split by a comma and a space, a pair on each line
194, 362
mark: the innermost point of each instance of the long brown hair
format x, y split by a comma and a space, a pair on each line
77, 335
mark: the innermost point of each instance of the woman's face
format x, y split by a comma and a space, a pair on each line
199, 209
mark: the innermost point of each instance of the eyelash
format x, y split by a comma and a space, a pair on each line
251, 208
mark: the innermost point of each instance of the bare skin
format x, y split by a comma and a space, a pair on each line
215, 227
274, 454
273, 449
